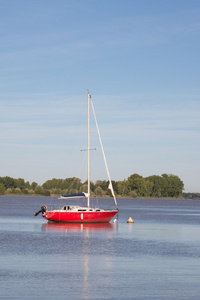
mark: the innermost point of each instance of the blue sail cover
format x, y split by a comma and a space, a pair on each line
77, 195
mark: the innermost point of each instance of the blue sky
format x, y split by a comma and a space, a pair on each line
140, 61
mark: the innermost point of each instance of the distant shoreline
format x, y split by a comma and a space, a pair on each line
192, 196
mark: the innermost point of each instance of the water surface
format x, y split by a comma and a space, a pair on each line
157, 257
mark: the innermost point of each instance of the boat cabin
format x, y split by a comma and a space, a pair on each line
81, 209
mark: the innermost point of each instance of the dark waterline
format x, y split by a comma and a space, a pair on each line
157, 257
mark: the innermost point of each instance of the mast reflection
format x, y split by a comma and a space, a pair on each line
86, 231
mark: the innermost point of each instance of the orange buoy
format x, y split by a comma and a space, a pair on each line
130, 220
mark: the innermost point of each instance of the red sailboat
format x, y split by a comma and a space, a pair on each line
82, 214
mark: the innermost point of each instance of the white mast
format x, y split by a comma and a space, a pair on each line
88, 199
110, 182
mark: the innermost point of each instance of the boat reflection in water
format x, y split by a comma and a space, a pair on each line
84, 261
79, 227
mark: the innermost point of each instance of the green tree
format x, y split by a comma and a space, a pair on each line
17, 190
157, 185
132, 194
41, 191
122, 188
137, 183
148, 186
98, 191
84, 188
63, 184
20, 183
174, 185
27, 185
8, 182
92, 186
2, 188
34, 185
104, 185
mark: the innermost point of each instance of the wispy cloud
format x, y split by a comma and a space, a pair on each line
40, 117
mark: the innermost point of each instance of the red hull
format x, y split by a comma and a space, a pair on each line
80, 217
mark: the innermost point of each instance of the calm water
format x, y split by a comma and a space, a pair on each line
157, 257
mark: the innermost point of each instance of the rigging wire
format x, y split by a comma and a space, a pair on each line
110, 182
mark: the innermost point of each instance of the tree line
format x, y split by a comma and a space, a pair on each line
191, 195
166, 185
